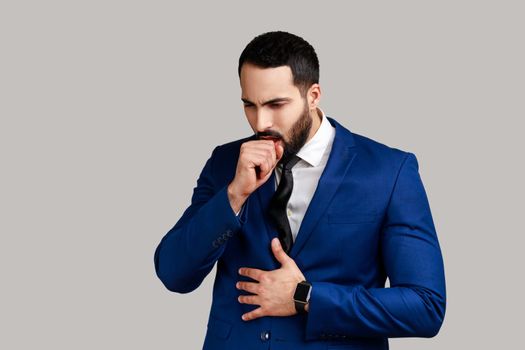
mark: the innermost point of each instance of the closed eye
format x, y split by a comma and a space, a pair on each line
272, 105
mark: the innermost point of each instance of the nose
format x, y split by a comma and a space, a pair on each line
263, 120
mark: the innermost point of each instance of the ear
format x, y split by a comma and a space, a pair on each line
313, 96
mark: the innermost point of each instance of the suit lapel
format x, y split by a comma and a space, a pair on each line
339, 161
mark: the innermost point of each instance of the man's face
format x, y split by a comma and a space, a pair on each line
274, 106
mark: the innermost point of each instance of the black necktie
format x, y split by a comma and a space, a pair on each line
279, 201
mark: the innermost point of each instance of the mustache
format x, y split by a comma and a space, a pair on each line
268, 133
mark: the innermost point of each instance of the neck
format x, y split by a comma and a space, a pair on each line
316, 122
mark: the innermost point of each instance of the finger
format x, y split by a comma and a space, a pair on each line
255, 155
269, 151
261, 162
252, 273
279, 150
249, 299
260, 144
251, 287
279, 252
259, 154
264, 165
263, 150
253, 314
273, 154
261, 141
271, 158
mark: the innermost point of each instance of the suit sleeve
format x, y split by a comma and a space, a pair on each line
414, 304
188, 252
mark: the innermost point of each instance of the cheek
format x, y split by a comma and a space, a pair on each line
250, 117
281, 123
248, 112
286, 117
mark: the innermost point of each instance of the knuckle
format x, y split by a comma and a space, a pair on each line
265, 278
261, 290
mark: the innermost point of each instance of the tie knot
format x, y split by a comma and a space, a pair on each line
290, 161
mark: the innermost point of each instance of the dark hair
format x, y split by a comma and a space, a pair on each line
278, 48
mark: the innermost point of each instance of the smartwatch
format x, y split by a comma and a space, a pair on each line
302, 296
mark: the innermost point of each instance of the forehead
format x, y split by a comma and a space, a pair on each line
260, 84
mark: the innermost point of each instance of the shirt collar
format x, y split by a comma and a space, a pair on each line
312, 152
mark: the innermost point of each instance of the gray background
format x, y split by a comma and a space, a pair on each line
109, 110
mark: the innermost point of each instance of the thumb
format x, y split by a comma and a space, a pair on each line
279, 252
279, 150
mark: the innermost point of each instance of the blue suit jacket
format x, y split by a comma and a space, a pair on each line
369, 219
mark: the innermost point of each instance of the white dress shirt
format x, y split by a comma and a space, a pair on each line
306, 173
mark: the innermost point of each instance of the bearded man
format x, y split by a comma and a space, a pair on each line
306, 220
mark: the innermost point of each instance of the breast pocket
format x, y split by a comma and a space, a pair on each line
352, 216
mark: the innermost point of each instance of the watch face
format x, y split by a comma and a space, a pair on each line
302, 292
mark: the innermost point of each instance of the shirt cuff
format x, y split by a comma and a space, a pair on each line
241, 215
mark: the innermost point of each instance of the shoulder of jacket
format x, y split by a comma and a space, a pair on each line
375, 148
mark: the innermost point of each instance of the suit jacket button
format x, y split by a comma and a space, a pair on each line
265, 335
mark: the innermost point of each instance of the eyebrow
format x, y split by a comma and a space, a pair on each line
273, 100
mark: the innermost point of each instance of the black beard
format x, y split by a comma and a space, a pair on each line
298, 134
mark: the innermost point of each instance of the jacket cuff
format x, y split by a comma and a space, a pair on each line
322, 322
218, 218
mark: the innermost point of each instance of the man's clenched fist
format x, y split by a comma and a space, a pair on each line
257, 159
